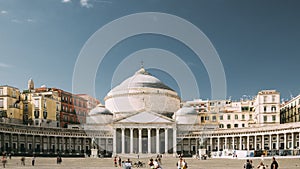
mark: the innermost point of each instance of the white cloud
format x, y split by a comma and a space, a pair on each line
66, 1
85, 3
4, 65
16, 21
30, 20
3, 12
103, 1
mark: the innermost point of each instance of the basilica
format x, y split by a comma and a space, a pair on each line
144, 116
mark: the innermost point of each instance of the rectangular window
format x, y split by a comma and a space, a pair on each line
36, 103
214, 118
228, 117
274, 118
265, 118
1, 91
243, 125
273, 98
273, 108
236, 117
1, 103
265, 99
265, 108
243, 117
207, 118
221, 117
250, 116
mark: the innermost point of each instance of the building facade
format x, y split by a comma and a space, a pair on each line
10, 105
91, 101
290, 111
73, 108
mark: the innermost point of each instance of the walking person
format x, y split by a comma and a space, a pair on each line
180, 164
115, 162
23, 161
261, 166
33, 160
151, 164
274, 164
248, 165
4, 160
120, 161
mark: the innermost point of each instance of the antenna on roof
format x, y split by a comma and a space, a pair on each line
291, 94
142, 64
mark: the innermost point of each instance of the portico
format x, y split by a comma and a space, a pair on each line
144, 133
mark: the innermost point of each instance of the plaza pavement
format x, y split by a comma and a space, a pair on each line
168, 163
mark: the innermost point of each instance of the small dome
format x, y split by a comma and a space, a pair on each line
100, 110
186, 111
187, 115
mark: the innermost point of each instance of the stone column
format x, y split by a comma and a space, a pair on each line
70, 145
292, 141
255, 138
131, 140
33, 143
248, 144
262, 142
26, 143
174, 141
84, 145
157, 141
18, 143
233, 143
211, 143
114, 141
48, 144
140, 140
299, 138
218, 143
166, 141
284, 141
55, 144
241, 142
149, 140
123, 140
270, 142
277, 141
41, 143
225, 146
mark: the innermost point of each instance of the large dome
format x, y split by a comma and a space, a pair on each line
142, 92
141, 78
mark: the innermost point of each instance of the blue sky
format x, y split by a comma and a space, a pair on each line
257, 42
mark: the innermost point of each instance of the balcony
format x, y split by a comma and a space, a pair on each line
14, 106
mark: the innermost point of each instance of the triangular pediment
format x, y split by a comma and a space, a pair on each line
145, 117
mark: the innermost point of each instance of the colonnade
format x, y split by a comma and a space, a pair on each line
259, 141
144, 140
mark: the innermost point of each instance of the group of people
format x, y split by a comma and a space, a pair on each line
155, 164
4, 160
249, 165
125, 164
181, 164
